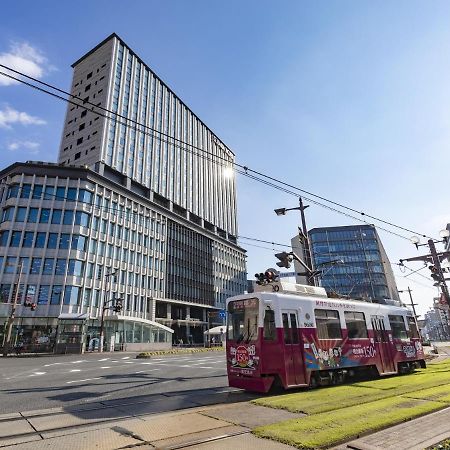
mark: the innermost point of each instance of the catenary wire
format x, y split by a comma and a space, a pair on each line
246, 169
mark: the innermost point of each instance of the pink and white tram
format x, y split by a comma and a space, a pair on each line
294, 335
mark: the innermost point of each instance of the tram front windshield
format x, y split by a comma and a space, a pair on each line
243, 320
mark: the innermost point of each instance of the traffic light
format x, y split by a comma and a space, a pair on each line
270, 276
285, 259
435, 274
260, 279
118, 305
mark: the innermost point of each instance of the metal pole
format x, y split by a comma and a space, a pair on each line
306, 246
437, 264
104, 298
12, 315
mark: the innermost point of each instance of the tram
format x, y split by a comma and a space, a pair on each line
292, 335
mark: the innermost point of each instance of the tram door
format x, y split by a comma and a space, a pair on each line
382, 344
292, 348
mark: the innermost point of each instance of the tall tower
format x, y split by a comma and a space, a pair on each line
150, 136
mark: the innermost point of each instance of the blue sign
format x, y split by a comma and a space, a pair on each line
222, 314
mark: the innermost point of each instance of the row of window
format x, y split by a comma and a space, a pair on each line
45, 215
328, 326
50, 192
30, 239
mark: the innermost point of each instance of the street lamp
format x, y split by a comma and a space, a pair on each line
303, 235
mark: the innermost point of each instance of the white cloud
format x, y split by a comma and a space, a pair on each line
23, 58
10, 116
28, 145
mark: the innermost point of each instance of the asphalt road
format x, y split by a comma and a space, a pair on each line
31, 383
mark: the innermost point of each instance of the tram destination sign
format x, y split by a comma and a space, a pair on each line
249, 303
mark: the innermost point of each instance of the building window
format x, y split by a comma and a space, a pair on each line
26, 191
33, 215
45, 215
52, 240
60, 193
77, 155
83, 113
15, 238
37, 191
60, 268
71, 295
56, 216
7, 214
78, 242
13, 191
4, 235
49, 264
75, 268
68, 217
64, 241
40, 240
72, 194
328, 325
21, 214
56, 295
82, 218
79, 140
36, 264
28, 239
44, 291
10, 265
49, 192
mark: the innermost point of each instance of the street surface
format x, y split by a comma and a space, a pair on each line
29, 383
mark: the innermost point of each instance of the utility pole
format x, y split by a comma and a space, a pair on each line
434, 258
12, 315
303, 238
412, 305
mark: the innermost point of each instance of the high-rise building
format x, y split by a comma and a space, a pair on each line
138, 209
353, 262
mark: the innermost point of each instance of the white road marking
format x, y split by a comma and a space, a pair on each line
126, 357
52, 364
148, 370
80, 361
206, 367
75, 370
37, 373
82, 381
106, 367
129, 362
104, 359
147, 363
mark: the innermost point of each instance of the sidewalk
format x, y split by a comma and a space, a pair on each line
208, 428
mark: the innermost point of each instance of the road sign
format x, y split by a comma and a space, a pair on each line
287, 274
222, 314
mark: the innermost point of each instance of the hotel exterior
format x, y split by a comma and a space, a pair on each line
137, 208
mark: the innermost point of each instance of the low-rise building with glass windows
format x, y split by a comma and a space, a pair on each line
353, 262
72, 240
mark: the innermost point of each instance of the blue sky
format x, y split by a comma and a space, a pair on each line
347, 99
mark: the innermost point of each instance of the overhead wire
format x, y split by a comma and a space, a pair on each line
183, 144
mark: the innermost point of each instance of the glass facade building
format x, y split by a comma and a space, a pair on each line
365, 271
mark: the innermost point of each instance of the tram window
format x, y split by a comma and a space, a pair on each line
287, 334
356, 325
269, 325
294, 328
243, 320
398, 327
328, 325
413, 333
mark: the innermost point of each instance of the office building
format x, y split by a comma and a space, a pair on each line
137, 208
353, 262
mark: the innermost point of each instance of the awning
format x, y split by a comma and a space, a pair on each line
73, 316
117, 317
216, 330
